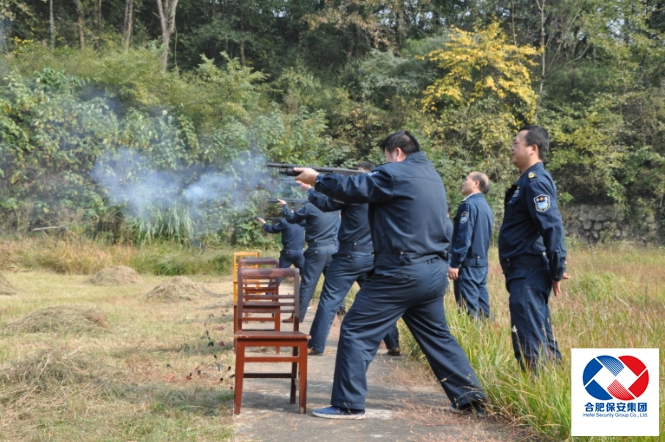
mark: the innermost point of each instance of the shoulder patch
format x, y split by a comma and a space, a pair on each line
464, 217
542, 202
532, 175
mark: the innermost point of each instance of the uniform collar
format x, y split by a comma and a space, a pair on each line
539, 165
473, 194
415, 156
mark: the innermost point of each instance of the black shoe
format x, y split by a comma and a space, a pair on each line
313, 352
472, 409
341, 311
394, 352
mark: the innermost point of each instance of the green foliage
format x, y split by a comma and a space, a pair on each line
71, 153
479, 65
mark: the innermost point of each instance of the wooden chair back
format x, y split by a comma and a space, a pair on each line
260, 298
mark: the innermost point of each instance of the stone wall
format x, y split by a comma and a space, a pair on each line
592, 224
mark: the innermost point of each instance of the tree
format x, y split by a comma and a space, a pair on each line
167, 22
481, 64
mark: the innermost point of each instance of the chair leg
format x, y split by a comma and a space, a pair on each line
278, 325
240, 374
294, 373
303, 380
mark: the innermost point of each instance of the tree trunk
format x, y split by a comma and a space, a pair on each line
212, 49
128, 23
81, 23
99, 18
543, 60
167, 21
242, 44
51, 24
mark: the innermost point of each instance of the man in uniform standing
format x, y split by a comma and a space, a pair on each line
471, 241
321, 237
293, 242
407, 211
353, 262
531, 250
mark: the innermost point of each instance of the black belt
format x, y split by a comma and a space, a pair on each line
318, 243
524, 262
406, 258
355, 247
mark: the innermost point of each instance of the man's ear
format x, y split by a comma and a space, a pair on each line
536, 149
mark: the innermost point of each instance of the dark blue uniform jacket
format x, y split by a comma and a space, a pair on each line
402, 233
472, 232
293, 235
320, 227
532, 225
354, 227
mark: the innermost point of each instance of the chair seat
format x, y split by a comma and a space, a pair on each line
271, 334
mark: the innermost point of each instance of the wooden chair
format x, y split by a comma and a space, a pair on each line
237, 256
254, 262
252, 305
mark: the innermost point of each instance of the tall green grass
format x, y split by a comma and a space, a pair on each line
615, 299
84, 256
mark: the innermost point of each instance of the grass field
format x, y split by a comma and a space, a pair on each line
101, 363
115, 366
615, 299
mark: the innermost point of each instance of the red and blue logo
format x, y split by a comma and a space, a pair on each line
624, 378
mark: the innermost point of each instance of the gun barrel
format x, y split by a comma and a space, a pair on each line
287, 169
272, 219
288, 200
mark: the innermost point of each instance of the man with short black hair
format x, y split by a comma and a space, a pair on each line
472, 233
353, 262
531, 250
407, 210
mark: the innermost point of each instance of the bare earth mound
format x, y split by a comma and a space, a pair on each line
115, 275
6, 288
176, 289
61, 319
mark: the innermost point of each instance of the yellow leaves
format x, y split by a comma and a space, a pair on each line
479, 65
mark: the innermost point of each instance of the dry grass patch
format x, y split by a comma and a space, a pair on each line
161, 375
176, 289
6, 289
44, 372
115, 275
66, 319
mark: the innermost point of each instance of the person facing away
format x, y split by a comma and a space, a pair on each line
531, 250
353, 262
321, 237
472, 233
407, 210
293, 242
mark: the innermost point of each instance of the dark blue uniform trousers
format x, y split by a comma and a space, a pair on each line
295, 257
414, 293
317, 260
533, 340
345, 269
471, 291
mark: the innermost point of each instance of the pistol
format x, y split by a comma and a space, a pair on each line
287, 169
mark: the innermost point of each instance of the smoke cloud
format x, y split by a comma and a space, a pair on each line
210, 198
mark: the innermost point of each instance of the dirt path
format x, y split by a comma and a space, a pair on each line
396, 410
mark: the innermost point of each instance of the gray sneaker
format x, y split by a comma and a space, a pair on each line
333, 412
